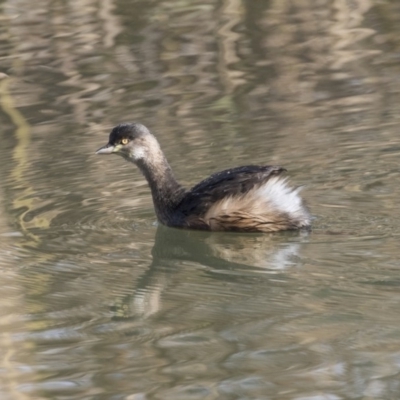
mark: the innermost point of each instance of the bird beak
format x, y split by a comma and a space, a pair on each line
107, 149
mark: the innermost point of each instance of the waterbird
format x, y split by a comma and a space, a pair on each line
251, 198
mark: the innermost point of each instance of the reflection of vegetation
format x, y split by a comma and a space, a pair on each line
25, 200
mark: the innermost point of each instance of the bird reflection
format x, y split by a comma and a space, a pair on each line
217, 254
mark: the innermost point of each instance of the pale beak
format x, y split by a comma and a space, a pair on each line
107, 149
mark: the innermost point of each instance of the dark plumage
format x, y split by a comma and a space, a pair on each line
249, 198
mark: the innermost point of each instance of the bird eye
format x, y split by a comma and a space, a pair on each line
124, 141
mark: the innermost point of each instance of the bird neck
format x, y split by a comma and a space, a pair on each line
165, 190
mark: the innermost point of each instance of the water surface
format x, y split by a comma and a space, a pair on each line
98, 301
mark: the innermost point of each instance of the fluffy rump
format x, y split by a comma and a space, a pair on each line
270, 206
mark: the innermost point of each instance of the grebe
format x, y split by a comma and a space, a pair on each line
244, 199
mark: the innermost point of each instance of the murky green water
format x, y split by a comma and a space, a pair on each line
97, 302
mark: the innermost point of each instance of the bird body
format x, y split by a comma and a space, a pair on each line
243, 199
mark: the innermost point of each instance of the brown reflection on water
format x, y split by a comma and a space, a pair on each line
99, 303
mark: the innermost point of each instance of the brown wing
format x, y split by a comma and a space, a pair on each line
223, 184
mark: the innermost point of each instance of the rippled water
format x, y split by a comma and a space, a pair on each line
98, 302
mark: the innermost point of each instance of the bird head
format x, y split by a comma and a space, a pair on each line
128, 141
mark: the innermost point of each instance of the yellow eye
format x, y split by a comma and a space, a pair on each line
124, 141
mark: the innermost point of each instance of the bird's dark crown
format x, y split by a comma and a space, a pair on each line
127, 131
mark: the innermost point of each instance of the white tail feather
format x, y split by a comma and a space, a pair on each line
273, 198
